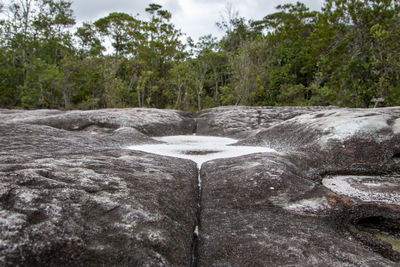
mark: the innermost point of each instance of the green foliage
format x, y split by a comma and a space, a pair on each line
228, 96
42, 89
354, 56
89, 42
345, 55
123, 30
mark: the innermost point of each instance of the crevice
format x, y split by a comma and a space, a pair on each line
375, 226
381, 234
199, 149
258, 117
196, 231
396, 157
379, 223
7, 199
194, 132
82, 126
360, 170
36, 217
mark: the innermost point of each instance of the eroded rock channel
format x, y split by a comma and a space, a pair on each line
199, 149
322, 188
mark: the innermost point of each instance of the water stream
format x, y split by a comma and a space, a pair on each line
199, 149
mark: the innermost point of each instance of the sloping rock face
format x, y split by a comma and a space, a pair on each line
329, 196
263, 210
153, 122
342, 140
71, 196
241, 121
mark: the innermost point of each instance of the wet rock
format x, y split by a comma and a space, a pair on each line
76, 198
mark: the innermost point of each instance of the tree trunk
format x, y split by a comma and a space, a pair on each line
216, 90
199, 98
65, 91
179, 97
41, 97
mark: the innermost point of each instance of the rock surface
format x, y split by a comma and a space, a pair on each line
75, 198
262, 210
240, 121
288, 208
72, 194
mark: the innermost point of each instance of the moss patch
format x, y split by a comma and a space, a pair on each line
393, 240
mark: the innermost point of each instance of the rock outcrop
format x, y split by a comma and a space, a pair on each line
241, 122
72, 194
263, 210
323, 199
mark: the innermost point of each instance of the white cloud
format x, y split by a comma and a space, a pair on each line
91, 10
197, 18
193, 17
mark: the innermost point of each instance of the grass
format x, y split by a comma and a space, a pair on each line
393, 240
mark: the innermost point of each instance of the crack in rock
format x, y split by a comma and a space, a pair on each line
73, 192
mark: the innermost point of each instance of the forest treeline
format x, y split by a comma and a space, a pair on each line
346, 54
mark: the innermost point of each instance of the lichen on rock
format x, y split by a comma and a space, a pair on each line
72, 193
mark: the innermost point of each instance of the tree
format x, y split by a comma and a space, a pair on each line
248, 70
287, 57
69, 66
198, 71
208, 49
344, 55
180, 81
34, 35
237, 29
163, 46
122, 29
19, 33
358, 50
90, 43
43, 86
52, 25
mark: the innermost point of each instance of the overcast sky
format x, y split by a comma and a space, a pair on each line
193, 17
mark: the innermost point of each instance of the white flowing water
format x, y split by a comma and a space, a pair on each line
199, 149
